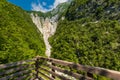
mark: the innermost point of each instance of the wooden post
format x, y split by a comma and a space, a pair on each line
53, 70
90, 75
37, 67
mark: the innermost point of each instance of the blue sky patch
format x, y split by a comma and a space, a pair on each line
37, 5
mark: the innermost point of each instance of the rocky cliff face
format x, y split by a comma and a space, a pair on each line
47, 27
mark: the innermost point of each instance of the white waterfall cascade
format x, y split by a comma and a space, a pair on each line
47, 27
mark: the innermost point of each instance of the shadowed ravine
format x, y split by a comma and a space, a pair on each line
47, 27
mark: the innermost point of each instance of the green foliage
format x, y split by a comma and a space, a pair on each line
41, 14
89, 35
89, 44
19, 38
93, 44
94, 9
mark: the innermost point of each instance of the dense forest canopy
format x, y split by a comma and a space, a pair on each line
19, 37
90, 34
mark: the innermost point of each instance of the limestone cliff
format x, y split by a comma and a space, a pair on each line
47, 27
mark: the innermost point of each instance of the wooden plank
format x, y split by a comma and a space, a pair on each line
32, 76
94, 70
22, 77
36, 67
28, 77
53, 73
53, 70
8, 65
13, 70
16, 74
50, 78
40, 78
75, 75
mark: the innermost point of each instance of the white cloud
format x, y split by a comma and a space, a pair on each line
39, 7
51, 6
57, 2
44, 3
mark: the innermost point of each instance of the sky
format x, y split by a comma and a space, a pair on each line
37, 5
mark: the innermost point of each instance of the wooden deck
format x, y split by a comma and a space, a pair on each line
41, 68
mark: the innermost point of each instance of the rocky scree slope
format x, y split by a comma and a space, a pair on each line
47, 22
47, 27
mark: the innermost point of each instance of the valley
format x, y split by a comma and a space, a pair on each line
86, 32
47, 27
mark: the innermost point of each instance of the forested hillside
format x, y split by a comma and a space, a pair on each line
93, 10
19, 37
90, 34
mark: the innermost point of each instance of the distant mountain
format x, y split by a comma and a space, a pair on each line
47, 22
59, 10
19, 37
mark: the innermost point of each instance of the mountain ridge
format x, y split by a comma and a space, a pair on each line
47, 22
59, 10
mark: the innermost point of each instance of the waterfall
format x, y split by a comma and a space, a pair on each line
47, 27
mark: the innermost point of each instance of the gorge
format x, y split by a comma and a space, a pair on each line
88, 33
47, 27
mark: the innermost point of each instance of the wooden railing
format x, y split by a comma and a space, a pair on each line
17, 70
42, 68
